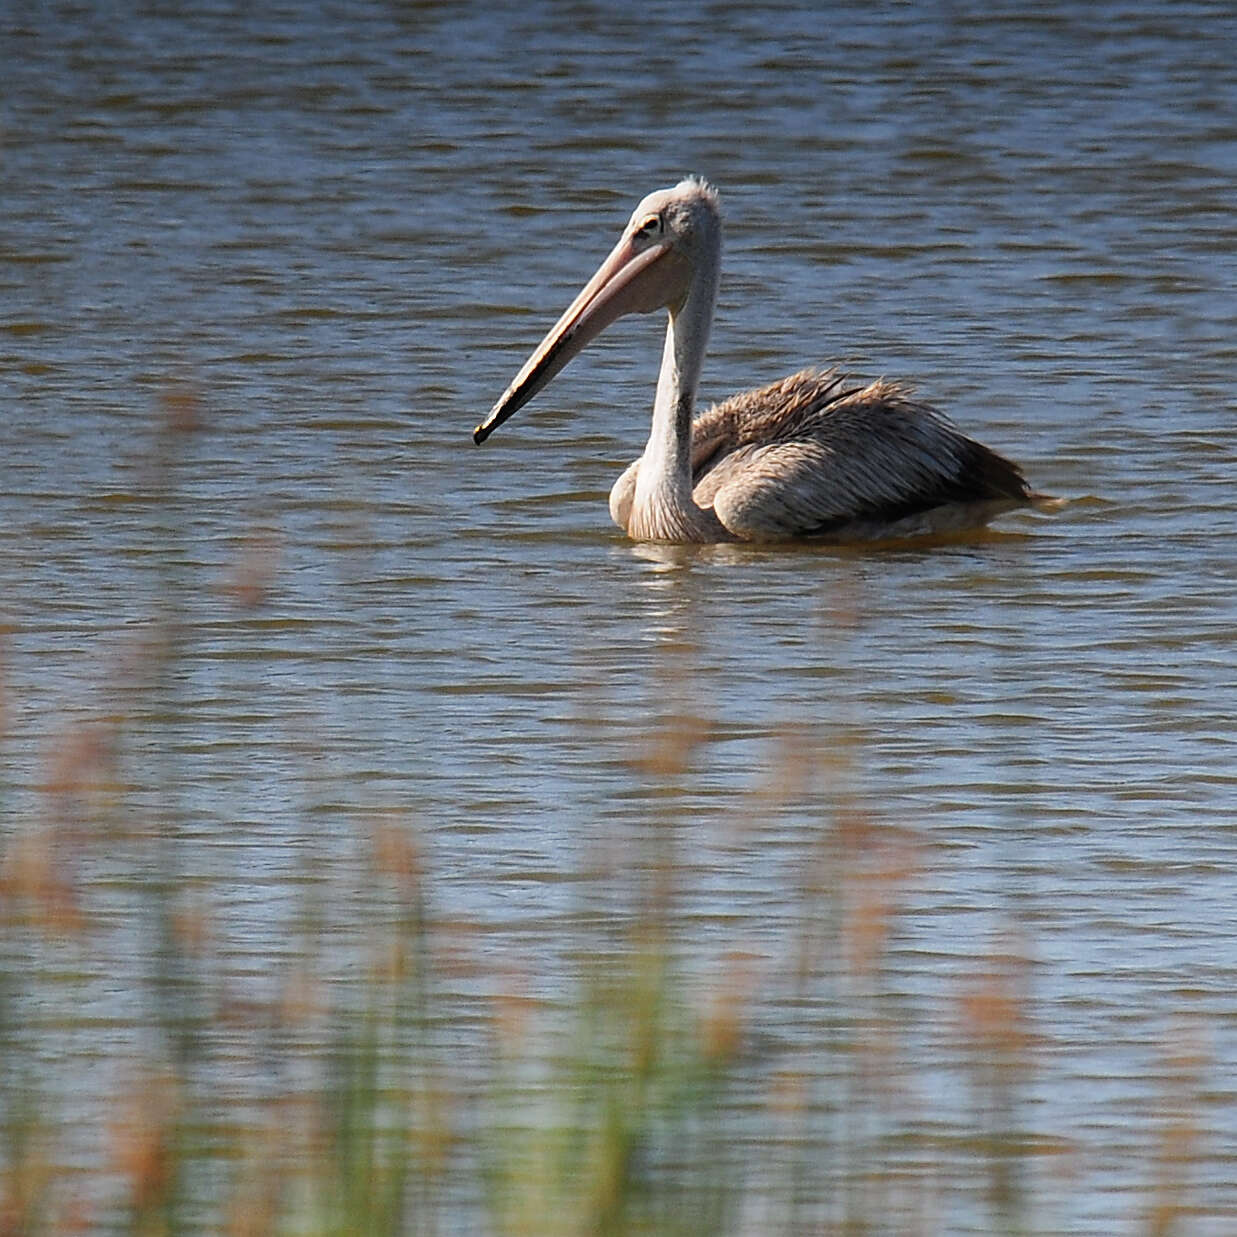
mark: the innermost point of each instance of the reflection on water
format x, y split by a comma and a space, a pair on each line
387, 845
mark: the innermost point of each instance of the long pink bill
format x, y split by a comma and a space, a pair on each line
630, 280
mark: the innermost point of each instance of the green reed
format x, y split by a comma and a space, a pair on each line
636, 1095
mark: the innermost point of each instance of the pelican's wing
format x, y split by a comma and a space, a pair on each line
858, 461
765, 415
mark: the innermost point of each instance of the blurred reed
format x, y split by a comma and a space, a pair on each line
646, 1096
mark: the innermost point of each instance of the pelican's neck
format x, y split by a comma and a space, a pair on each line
663, 508
667, 455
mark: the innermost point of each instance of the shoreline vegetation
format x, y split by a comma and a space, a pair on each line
400, 1066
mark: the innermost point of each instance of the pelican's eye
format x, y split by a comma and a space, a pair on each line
651, 226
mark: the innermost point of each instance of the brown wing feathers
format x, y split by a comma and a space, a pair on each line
810, 453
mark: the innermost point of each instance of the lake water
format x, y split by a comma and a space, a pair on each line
261, 273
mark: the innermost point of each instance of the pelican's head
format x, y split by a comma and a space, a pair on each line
686, 220
668, 251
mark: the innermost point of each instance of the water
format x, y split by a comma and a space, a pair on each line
327, 239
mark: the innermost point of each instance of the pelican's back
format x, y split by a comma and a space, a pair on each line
814, 454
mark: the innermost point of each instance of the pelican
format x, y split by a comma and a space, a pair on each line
813, 455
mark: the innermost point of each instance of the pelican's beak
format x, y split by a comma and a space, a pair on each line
631, 280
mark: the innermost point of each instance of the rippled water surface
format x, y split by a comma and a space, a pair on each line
261, 273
